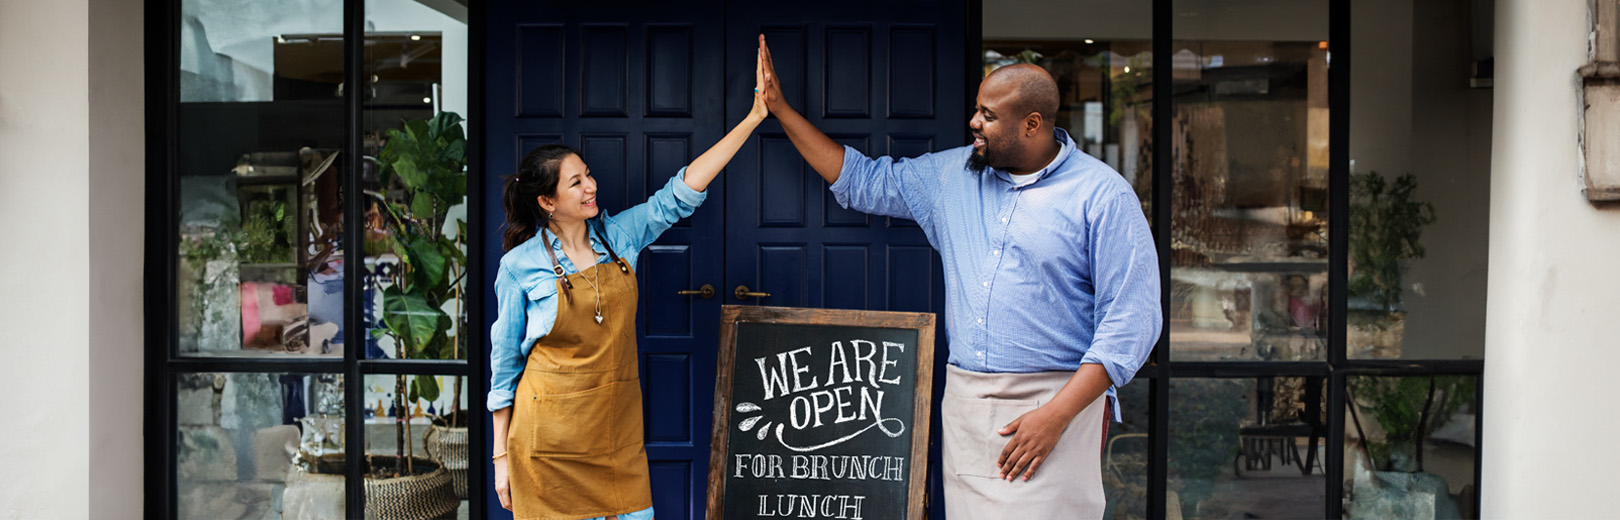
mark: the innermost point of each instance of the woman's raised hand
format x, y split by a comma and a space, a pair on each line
759, 111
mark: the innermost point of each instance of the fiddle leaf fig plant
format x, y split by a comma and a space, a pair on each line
422, 175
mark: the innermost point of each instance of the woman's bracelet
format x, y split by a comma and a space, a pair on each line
498, 456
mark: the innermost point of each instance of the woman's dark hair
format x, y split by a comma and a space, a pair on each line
536, 175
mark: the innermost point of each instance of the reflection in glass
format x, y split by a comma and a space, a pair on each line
252, 445
1127, 454
1105, 89
1409, 447
1420, 177
420, 435
415, 181
259, 267
1250, 173
1247, 448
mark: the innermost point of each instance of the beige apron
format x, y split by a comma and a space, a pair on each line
576, 436
976, 405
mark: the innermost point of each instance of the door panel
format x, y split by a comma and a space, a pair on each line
636, 89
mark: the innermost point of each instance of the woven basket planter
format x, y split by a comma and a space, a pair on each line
448, 446
429, 495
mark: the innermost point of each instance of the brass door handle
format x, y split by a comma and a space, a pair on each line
707, 292
743, 293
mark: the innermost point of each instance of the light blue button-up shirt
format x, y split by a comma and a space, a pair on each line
526, 286
1045, 276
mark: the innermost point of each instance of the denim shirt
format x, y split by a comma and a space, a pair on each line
1043, 276
526, 286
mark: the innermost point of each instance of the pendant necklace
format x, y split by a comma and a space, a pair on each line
598, 289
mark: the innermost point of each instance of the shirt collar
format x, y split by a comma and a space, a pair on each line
590, 232
1066, 146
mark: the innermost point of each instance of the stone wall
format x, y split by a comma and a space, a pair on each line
232, 450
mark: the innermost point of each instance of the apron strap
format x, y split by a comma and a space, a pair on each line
556, 267
601, 231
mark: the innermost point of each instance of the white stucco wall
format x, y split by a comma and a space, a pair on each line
1552, 333
70, 270
44, 289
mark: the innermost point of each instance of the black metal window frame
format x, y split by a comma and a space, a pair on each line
164, 366
1161, 368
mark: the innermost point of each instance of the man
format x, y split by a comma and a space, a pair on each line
1052, 291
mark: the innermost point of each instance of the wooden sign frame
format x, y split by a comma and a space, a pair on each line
731, 315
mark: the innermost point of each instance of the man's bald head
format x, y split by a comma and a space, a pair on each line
1034, 91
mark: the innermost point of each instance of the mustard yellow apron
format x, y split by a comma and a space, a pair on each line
576, 441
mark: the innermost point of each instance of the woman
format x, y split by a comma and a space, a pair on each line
564, 390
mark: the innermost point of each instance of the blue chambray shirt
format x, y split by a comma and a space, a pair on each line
526, 287
1056, 273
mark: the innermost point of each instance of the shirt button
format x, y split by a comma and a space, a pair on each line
1004, 220
981, 320
986, 284
981, 354
996, 253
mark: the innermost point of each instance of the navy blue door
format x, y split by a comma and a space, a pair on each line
642, 87
884, 77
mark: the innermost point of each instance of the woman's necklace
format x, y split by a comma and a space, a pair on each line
598, 289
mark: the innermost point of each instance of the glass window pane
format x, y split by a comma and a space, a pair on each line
1247, 448
1127, 455
1386, 474
1250, 173
1104, 71
427, 413
415, 181
261, 202
1420, 182
258, 445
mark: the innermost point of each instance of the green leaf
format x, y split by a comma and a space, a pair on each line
413, 395
422, 207
410, 315
456, 151
427, 262
419, 130
427, 387
448, 247
410, 173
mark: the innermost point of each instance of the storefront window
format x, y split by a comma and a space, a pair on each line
416, 441
259, 445
263, 175
260, 184
1420, 172
1247, 448
1249, 228
415, 182
1410, 449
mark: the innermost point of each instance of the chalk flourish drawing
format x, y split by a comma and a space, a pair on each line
890, 426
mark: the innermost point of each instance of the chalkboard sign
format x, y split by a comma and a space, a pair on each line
821, 413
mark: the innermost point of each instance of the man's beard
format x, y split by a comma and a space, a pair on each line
977, 162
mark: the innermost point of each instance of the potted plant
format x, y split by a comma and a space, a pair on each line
1386, 230
1392, 417
422, 177
422, 167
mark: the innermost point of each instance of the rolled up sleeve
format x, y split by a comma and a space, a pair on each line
885, 186
506, 341
642, 224
1126, 277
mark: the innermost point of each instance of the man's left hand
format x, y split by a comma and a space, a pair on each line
1033, 436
